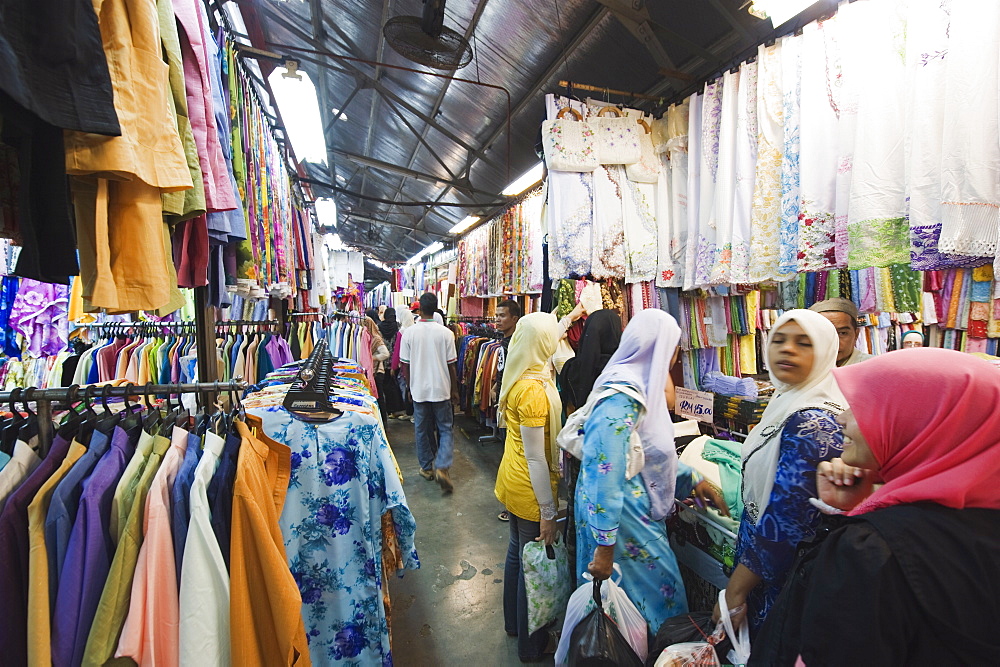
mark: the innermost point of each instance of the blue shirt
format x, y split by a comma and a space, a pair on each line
180, 498
65, 501
220, 493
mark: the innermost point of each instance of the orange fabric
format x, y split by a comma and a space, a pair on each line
265, 608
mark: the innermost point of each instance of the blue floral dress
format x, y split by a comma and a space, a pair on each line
613, 510
768, 548
343, 480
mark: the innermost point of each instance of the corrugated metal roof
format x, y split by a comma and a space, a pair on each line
400, 122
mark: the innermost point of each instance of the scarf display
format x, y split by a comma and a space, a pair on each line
643, 362
930, 419
763, 446
531, 347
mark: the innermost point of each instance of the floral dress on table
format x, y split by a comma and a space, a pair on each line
343, 480
768, 547
613, 510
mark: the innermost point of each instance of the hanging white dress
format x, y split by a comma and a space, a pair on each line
878, 232
725, 186
765, 214
693, 190
971, 153
711, 121
746, 163
569, 211
667, 270
608, 255
678, 122
818, 157
791, 84
641, 229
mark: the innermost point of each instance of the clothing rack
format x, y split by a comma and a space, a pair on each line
44, 398
571, 86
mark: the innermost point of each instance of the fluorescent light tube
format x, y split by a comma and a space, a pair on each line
296, 98
465, 224
525, 181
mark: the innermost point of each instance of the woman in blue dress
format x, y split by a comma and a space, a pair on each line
796, 433
620, 514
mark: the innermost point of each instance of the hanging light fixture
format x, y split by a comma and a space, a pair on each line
465, 224
429, 250
295, 95
779, 11
525, 180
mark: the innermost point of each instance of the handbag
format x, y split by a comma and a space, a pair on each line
569, 145
570, 437
546, 581
617, 138
647, 169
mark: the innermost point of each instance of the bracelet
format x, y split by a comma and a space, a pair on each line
548, 511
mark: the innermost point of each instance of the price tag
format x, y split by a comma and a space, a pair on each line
694, 404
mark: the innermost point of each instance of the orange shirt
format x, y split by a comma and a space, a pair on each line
265, 608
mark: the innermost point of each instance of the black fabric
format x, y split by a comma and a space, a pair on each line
45, 220
601, 335
388, 327
907, 585
54, 64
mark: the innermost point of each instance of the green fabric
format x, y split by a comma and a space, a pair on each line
565, 298
113, 607
727, 455
906, 286
832, 284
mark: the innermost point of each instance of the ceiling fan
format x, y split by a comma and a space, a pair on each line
425, 39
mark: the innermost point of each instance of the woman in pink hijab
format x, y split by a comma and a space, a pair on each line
910, 575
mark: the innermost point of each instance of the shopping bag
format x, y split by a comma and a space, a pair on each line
598, 642
569, 145
617, 137
647, 169
740, 638
546, 579
692, 628
692, 654
630, 621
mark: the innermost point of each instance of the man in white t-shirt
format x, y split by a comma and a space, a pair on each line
427, 357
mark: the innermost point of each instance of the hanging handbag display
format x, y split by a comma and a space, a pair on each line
647, 169
569, 144
617, 137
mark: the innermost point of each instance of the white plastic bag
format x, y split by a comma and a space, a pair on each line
740, 638
617, 605
691, 654
547, 582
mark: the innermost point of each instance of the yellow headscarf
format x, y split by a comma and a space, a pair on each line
532, 346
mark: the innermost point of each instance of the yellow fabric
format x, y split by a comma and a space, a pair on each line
983, 273
531, 347
39, 613
527, 405
265, 608
748, 355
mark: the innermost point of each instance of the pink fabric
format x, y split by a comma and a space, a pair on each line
198, 85
150, 633
39, 314
930, 418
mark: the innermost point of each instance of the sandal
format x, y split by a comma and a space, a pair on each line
504, 516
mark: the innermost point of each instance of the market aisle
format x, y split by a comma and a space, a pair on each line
450, 611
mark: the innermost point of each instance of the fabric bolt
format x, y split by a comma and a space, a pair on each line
88, 555
878, 229
791, 90
265, 603
745, 170
180, 499
149, 635
65, 503
204, 582
39, 595
970, 186
818, 143
612, 510
18, 468
15, 551
765, 212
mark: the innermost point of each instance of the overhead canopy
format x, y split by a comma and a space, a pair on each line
406, 136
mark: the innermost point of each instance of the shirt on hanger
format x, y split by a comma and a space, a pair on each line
21, 464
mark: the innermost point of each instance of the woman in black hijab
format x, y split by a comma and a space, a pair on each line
601, 334
389, 328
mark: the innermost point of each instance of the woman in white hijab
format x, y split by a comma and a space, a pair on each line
796, 433
622, 497
529, 471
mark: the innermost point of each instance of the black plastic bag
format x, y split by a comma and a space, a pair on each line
596, 641
694, 627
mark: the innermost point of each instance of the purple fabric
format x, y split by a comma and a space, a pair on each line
279, 351
40, 315
88, 556
642, 360
14, 556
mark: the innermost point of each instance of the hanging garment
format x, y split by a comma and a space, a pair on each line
707, 238
765, 214
610, 189
725, 189
791, 88
693, 190
746, 164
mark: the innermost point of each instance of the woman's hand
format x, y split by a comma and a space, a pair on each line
549, 532
603, 564
706, 494
737, 603
843, 486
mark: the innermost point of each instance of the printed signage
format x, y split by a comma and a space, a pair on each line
694, 404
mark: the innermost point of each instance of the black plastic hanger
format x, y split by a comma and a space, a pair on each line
90, 417
71, 426
108, 419
30, 428
131, 416
10, 430
152, 420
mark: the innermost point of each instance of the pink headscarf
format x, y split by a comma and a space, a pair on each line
931, 419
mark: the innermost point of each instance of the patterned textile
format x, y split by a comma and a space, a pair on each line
767, 548
765, 213
791, 82
746, 164
343, 479
39, 313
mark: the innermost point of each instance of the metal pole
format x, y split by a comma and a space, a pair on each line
204, 318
